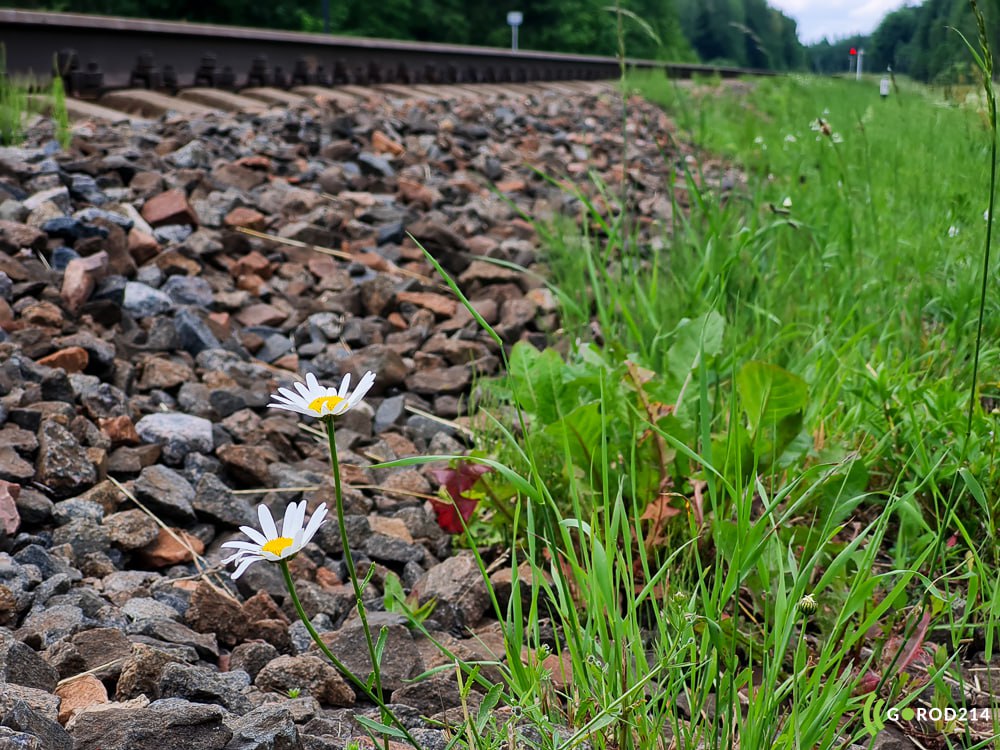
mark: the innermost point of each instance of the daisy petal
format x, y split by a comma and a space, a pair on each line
344, 385
251, 532
240, 545
289, 519
244, 565
314, 523
311, 383
363, 387
296, 546
267, 522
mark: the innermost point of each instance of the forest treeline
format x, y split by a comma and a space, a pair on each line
741, 32
921, 41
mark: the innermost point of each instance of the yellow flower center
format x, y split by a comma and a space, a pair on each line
329, 402
277, 546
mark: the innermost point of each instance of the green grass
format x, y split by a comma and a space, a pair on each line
779, 409
21, 98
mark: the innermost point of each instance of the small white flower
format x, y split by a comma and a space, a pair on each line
270, 545
315, 400
790, 138
953, 231
759, 140
838, 138
815, 126
787, 203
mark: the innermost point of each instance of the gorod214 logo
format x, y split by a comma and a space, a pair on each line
874, 714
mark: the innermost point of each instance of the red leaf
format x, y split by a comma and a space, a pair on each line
913, 646
457, 481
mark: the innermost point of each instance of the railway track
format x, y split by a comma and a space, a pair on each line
97, 54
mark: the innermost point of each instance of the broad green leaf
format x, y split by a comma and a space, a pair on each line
769, 394
694, 339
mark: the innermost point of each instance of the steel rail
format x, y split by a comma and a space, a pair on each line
99, 53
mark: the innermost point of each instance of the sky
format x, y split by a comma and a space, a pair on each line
835, 18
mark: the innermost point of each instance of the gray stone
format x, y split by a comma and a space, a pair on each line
91, 213
400, 661
84, 188
12, 210
171, 632
57, 195
195, 335
22, 665
165, 491
375, 165
71, 230
103, 401
179, 434
131, 529
35, 509
390, 413
268, 727
188, 290
392, 549
252, 657
141, 671
143, 301
214, 499
101, 352
56, 585
40, 701
168, 723
12, 740
63, 466
44, 627
144, 608
430, 696
193, 155
310, 674
202, 685
13, 468
83, 535
76, 509
275, 346
102, 650
19, 716
172, 234
458, 588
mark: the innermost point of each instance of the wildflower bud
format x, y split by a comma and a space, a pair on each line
807, 605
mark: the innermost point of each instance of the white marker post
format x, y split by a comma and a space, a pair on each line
861, 54
514, 19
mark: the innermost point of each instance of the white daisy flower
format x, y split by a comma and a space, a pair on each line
270, 545
315, 400
787, 203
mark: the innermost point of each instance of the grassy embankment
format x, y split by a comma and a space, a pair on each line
778, 417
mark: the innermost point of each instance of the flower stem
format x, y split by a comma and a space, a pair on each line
343, 668
352, 572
